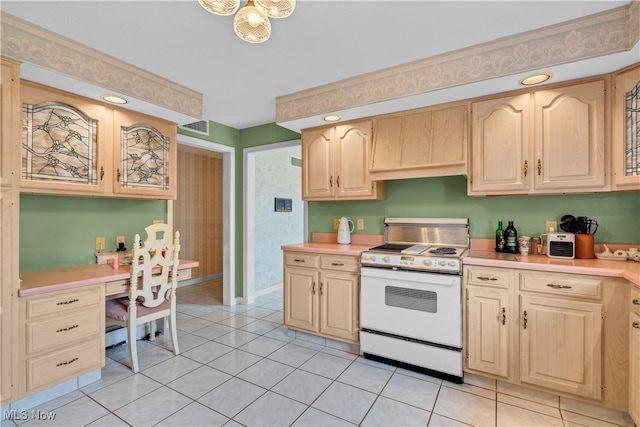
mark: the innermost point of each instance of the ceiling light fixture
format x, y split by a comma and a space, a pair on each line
535, 79
251, 23
332, 118
114, 99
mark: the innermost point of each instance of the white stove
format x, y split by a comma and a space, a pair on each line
410, 296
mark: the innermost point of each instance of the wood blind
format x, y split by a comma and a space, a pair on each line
197, 212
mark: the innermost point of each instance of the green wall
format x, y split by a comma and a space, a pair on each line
58, 231
618, 214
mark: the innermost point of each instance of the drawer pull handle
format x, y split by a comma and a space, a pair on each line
71, 301
320, 288
68, 362
554, 286
539, 167
68, 328
635, 301
526, 168
298, 260
504, 315
101, 172
524, 319
636, 325
485, 278
313, 287
337, 264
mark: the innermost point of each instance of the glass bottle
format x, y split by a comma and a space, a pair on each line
500, 242
511, 238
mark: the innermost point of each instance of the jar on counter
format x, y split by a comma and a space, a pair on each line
535, 246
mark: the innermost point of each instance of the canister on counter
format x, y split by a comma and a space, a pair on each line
536, 246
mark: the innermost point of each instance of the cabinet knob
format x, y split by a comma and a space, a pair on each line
636, 325
635, 301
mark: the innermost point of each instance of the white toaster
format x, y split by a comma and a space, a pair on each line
561, 245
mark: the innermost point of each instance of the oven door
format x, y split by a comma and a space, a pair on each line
418, 305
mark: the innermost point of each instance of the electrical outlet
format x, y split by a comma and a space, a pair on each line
360, 224
99, 243
119, 239
549, 225
336, 223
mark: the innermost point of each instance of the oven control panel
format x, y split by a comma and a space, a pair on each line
412, 262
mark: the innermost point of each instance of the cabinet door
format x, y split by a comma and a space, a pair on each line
318, 180
146, 156
570, 138
300, 306
561, 345
488, 330
500, 146
63, 140
9, 120
634, 369
353, 156
339, 305
626, 130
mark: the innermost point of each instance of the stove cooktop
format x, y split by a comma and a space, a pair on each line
427, 258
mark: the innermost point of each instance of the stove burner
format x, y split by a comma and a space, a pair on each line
391, 247
443, 251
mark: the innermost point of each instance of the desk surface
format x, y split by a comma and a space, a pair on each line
38, 282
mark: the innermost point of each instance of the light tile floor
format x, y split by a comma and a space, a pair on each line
238, 366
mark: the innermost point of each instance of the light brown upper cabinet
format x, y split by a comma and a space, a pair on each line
420, 143
335, 163
544, 142
77, 146
626, 129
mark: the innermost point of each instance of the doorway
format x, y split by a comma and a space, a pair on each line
271, 172
228, 212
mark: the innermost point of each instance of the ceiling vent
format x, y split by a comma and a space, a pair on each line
201, 126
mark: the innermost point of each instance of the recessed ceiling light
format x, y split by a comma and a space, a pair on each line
536, 79
332, 118
114, 99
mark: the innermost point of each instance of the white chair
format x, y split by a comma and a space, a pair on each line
152, 292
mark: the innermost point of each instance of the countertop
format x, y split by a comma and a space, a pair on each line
38, 282
629, 270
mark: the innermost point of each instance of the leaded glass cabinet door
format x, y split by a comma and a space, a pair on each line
145, 157
626, 130
62, 138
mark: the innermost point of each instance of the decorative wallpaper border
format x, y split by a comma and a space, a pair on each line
597, 35
29, 43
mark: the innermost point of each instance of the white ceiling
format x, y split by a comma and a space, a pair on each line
322, 42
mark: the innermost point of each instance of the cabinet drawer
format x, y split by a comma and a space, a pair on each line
342, 263
117, 286
62, 301
575, 286
54, 368
184, 274
488, 277
301, 259
635, 300
49, 333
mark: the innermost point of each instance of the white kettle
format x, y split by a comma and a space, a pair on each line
344, 231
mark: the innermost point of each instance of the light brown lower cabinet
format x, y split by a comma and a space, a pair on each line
321, 294
555, 332
62, 337
634, 357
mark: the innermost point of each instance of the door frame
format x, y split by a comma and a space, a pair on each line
228, 214
249, 220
